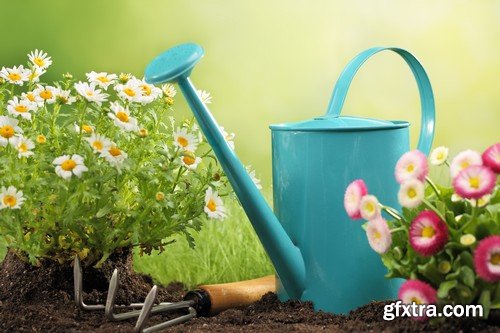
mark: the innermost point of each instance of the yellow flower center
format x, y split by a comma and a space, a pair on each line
188, 160
440, 155
146, 89
410, 168
89, 93
182, 141
14, 77
143, 132
87, 129
428, 232
9, 200
377, 235
7, 131
370, 207
464, 164
21, 108
474, 182
416, 300
39, 61
30, 97
46, 94
411, 193
68, 165
22, 147
41, 139
122, 116
160, 196
115, 151
103, 79
495, 259
97, 145
212, 205
129, 92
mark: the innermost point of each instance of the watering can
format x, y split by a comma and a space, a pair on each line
319, 254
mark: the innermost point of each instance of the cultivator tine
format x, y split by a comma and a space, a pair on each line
148, 309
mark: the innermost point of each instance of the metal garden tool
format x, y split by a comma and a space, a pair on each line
318, 253
206, 300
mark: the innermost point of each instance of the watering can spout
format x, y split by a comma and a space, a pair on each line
175, 65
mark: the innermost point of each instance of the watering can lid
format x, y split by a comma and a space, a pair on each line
339, 123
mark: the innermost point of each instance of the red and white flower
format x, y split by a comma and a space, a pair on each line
474, 182
487, 259
491, 157
369, 207
352, 198
411, 193
464, 160
412, 165
418, 292
379, 235
428, 233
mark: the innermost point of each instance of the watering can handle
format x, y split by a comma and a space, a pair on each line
424, 87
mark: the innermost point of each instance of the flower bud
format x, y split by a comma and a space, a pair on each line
124, 77
169, 100
143, 133
41, 139
444, 267
160, 196
67, 76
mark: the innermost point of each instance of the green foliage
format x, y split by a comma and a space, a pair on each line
239, 256
137, 190
450, 271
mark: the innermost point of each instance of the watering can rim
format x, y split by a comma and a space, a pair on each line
340, 124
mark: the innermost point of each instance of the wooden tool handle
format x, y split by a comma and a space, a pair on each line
236, 294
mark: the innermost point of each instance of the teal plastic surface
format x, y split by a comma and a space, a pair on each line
318, 252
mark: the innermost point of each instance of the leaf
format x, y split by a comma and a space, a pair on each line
485, 301
104, 211
445, 287
467, 276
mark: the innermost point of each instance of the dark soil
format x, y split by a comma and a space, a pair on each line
41, 300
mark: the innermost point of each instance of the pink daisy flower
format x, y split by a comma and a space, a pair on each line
487, 259
412, 165
491, 157
352, 198
464, 160
474, 182
379, 235
418, 292
428, 233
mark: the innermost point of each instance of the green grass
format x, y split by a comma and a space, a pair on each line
225, 251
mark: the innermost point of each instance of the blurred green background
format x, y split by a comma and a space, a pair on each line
275, 60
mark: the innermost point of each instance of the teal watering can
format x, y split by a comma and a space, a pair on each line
320, 255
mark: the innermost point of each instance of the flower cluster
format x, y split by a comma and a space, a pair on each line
446, 242
87, 167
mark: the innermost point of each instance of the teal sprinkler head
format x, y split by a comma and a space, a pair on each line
175, 65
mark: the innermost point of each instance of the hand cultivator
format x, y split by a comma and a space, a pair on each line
206, 300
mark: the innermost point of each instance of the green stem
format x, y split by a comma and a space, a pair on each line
473, 217
434, 209
402, 228
434, 187
392, 212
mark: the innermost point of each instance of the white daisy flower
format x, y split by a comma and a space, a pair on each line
20, 108
23, 146
40, 59
463, 160
102, 79
122, 118
439, 155
46, 93
67, 166
15, 75
228, 137
255, 180
33, 97
205, 96
130, 91
34, 75
114, 155
411, 193
369, 207
169, 90
214, 207
149, 92
99, 143
87, 129
90, 93
11, 198
190, 161
64, 97
185, 140
8, 129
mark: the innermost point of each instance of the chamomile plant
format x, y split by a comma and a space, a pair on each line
91, 166
446, 240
